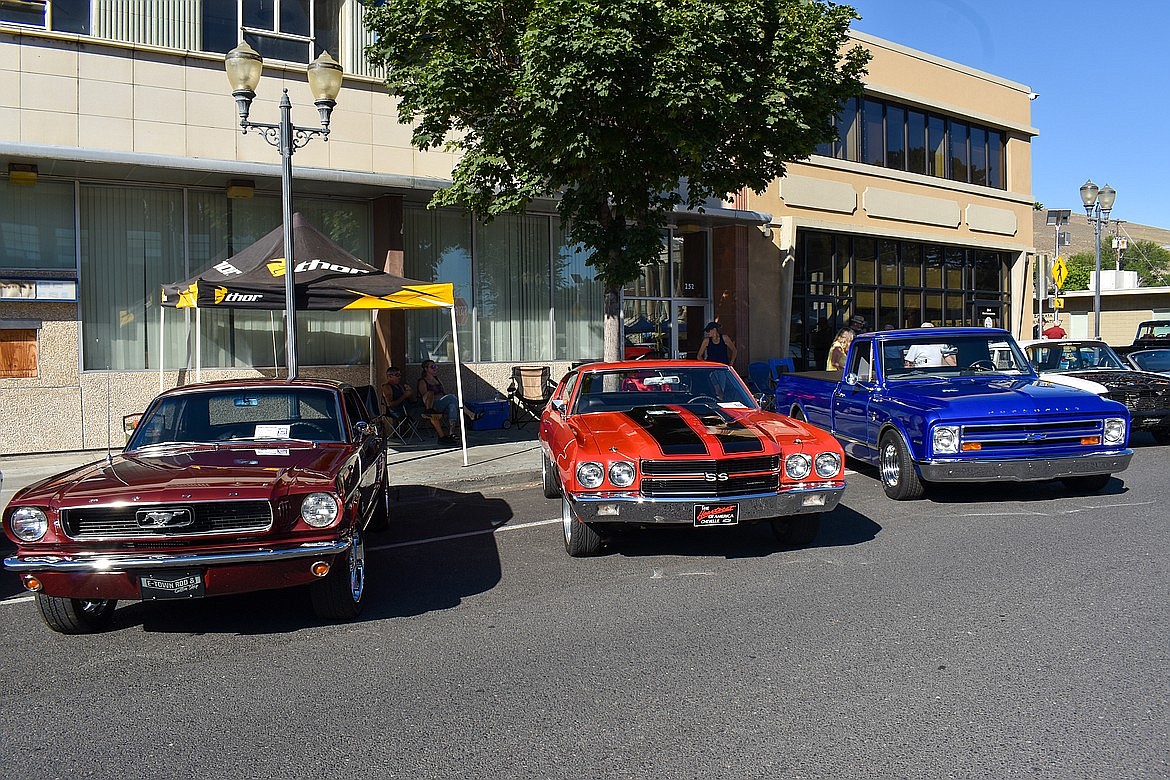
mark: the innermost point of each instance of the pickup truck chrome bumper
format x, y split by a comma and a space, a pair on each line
632, 508
119, 562
1030, 470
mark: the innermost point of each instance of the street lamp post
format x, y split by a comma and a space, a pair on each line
1098, 203
244, 65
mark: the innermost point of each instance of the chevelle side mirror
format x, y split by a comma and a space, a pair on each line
559, 405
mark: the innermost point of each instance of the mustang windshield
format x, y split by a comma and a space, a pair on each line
621, 390
952, 355
241, 414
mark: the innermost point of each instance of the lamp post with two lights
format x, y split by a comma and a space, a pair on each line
244, 66
1098, 203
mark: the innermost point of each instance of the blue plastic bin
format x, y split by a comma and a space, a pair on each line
493, 414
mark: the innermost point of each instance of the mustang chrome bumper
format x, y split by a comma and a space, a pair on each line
632, 508
1031, 470
118, 562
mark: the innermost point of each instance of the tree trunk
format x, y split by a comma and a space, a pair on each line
613, 323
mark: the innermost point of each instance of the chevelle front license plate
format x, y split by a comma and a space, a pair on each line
716, 514
171, 585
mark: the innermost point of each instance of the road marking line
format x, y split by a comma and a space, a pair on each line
16, 599
481, 532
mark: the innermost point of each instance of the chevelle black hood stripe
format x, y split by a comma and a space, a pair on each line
667, 427
734, 437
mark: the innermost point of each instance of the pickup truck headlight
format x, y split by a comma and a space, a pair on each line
1114, 430
798, 466
827, 464
590, 474
621, 473
319, 509
945, 439
28, 523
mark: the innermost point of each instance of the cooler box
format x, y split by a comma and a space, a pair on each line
493, 414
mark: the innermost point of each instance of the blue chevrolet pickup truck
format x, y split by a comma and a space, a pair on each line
958, 405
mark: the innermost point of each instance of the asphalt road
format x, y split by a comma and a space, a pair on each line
991, 631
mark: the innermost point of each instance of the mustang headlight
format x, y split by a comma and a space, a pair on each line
589, 474
827, 464
945, 439
1114, 430
319, 509
28, 523
621, 473
798, 466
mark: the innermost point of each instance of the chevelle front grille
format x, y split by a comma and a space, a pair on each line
206, 519
1141, 399
710, 478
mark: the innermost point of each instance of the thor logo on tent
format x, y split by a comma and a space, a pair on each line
223, 296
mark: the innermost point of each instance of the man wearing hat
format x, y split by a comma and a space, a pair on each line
716, 347
857, 324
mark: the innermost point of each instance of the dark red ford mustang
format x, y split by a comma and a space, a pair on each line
680, 442
223, 488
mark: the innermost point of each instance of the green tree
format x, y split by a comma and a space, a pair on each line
1151, 262
621, 109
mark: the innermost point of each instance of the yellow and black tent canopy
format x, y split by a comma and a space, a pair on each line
326, 278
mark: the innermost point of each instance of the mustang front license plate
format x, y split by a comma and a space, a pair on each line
171, 585
716, 514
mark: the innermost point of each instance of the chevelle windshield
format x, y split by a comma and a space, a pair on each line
951, 355
241, 414
1073, 356
622, 390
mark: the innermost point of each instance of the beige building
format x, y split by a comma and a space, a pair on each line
126, 170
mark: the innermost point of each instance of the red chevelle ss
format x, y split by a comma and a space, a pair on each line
224, 487
680, 442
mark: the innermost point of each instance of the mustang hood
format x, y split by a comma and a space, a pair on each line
983, 397
191, 472
677, 430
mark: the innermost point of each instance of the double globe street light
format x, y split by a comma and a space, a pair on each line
1098, 203
244, 66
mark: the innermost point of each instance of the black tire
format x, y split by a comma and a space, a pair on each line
339, 596
797, 414
796, 531
896, 469
1089, 484
76, 616
581, 540
552, 483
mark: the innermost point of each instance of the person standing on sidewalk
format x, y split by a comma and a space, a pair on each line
716, 347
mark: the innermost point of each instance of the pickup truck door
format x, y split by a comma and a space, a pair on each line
851, 399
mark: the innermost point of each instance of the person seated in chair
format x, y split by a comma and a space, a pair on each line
396, 395
438, 404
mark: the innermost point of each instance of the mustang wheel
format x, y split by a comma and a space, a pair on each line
899, 478
76, 616
552, 484
796, 531
339, 595
580, 539
1089, 484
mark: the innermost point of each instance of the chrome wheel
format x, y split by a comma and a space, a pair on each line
890, 468
357, 566
567, 519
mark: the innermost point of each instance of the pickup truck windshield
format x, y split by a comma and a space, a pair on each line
951, 355
627, 389
241, 414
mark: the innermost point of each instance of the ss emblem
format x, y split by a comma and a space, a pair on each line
720, 477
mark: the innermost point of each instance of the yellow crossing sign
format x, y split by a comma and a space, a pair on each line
1058, 303
1059, 271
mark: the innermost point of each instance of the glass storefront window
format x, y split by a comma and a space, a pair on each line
655, 279
512, 288
888, 262
933, 257
578, 300
888, 316
818, 261
955, 263
688, 256
437, 248
647, 326
36, 226
863, 260
912, 265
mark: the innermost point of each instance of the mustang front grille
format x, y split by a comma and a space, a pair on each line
166, 520
709, 478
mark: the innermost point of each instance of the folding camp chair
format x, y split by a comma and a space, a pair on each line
529, 391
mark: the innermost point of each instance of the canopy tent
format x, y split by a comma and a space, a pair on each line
326, 278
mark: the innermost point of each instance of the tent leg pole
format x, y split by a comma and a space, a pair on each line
198, 347
459, 385
162, 346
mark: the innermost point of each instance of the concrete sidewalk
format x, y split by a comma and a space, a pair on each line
496, 457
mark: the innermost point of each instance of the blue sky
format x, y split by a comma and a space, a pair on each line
1102, 71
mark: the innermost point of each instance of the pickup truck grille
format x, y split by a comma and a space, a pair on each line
701, 479
152, 521
1033, 435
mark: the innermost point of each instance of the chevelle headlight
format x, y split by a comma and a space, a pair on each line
798, 466
827, 464
621, 473
1114, 430
945, 440
28, 523
590, 474
319, 509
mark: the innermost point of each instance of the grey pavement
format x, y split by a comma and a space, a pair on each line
495, 458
